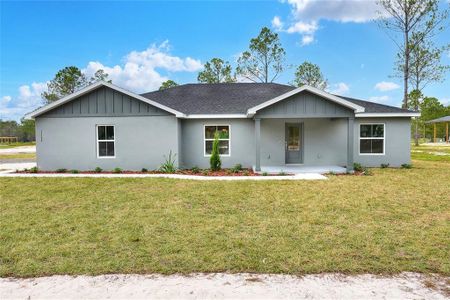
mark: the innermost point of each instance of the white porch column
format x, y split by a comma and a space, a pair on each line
258, 144
350, 142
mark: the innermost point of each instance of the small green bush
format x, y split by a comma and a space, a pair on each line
237, 168
205, 173
169, 164
34, 170
358, 167
144, 170
98, 170
74, 171
367, 172
195, 170
214, 160
265, 173
282, 173
384, 166
406, 166
245, 173
332, 173
61, 170
117, 170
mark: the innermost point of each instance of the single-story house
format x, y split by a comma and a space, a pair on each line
260, 125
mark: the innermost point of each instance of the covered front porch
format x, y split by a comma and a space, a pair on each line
304, 145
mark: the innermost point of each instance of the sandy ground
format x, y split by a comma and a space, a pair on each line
16, 150
226, 286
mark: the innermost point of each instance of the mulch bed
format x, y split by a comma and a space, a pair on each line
205, 172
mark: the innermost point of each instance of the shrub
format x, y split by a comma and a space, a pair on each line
214, 161
265, 173
332, 173
406, 166
74, 171
34, 170
358, 167
117, 170
236, 168
384, 166
169, 164
61, 170
205, 173
195, 170
144, 170
367, 172
245, 173
282, 173
98, 170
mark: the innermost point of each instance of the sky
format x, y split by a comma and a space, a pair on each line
141, 44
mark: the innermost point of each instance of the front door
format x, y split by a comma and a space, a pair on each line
293, 144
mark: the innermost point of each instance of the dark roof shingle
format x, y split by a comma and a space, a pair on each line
236, 98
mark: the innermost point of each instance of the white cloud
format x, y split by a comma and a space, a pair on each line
312, 11
445, 101
140, 71
385, 86
340, 88
307, 39
379, 98
29, 97
276, 23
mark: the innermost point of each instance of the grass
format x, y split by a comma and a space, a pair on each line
430, 153
19, 144
397, 220
18, 156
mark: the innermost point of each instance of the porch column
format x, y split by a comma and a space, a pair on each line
258, 144
350, 142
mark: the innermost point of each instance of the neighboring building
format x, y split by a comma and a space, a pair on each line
260, 124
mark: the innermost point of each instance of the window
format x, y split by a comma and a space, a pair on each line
105, 141
371, 139
224, 139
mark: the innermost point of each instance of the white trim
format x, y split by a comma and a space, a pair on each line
204, 139
216, 116
358, 109
92, 87
98, 141
372, 138
381, 115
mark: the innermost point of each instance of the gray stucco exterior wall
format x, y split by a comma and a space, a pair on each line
397, 142
70, 143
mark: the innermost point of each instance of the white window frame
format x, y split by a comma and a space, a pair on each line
205, 139
98, 141
372, 138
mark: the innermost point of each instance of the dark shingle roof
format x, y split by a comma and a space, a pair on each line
235, 98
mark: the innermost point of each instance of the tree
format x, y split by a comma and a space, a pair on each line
309, 74
414, 101
66, 81
69, 80
216, 71
100, 75
167, 84
402, 19
264, 61
431, 108
214, 160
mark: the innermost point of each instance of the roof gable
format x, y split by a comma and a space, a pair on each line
74, 96
356, 108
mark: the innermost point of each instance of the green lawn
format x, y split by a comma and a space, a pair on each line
396, 220
431, 153
24, 156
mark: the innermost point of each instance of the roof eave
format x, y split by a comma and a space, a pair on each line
388, 115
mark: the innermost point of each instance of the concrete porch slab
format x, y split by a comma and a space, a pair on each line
293, 169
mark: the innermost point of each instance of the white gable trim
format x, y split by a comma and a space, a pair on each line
92, 87
358, 109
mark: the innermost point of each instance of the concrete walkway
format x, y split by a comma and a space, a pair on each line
307, 176
225, 286
16, 150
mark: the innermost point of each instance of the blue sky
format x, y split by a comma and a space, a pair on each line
142, 44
